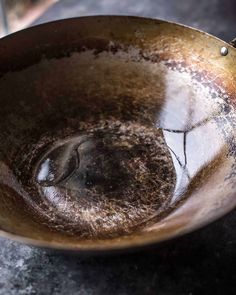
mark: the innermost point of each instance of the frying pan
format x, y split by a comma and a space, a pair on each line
116, 132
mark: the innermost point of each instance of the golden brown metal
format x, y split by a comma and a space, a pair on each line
117, 56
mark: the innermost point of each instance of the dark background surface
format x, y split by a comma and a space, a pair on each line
203, 262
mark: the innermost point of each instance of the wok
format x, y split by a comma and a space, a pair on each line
116, 132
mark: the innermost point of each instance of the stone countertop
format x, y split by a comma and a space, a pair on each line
203, 262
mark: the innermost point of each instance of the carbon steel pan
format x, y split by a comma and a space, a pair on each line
115, 132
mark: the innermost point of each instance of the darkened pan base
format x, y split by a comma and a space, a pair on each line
117, 139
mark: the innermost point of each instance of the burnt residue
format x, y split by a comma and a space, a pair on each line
103, 182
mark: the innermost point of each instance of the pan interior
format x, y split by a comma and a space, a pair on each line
100, 145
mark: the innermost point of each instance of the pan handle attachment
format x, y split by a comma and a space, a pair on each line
233, 42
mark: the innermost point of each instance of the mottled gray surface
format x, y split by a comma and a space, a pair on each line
201, 263
214, 16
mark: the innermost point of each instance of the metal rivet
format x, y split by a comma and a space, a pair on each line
224, 51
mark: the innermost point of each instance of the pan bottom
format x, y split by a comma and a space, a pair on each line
104, 180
